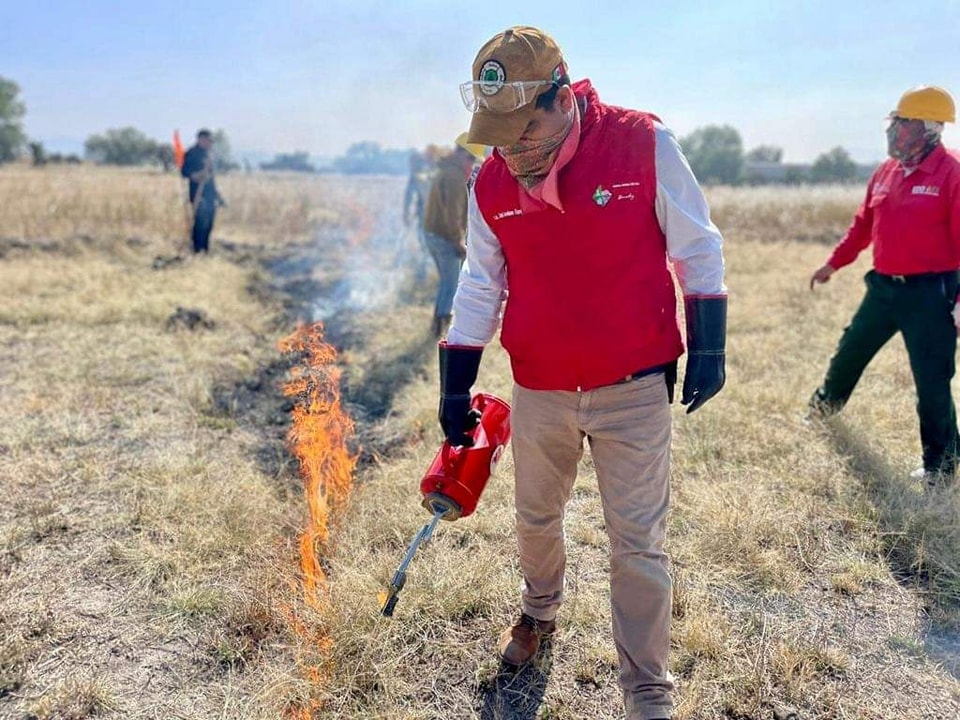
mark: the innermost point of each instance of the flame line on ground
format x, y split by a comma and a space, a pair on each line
319, 435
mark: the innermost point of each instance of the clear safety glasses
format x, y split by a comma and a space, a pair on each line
500, 97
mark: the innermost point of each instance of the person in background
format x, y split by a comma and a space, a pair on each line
198, 164
576, 216
911, 216
414, 202
445, 224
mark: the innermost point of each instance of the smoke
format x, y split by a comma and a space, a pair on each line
374, 256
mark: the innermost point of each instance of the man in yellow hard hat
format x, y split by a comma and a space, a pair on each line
911, 216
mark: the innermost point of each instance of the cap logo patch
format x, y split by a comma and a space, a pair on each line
492, 77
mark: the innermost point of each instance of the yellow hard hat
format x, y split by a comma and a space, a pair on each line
927, 102
476, 149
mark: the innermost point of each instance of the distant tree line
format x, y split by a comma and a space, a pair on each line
362, 158
717, 157
296, 161
715, 153
365, 158
118, 146
12, 110
39, 156
129, 146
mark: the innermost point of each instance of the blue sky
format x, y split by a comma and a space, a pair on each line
318, 75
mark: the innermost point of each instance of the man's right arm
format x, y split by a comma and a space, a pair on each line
195, 165
483, 283
858, 236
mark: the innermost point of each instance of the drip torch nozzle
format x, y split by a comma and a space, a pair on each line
400, 577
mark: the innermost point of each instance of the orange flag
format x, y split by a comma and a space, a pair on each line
177, 149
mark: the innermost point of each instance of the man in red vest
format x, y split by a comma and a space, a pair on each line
911, 215
577, 216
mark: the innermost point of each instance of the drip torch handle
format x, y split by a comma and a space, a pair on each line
431, 526
400, 576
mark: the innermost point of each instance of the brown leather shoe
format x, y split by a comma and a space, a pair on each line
520, 643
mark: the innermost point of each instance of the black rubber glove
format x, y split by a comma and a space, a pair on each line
458, 372
706, 340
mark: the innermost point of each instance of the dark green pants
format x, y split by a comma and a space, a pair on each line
919, 307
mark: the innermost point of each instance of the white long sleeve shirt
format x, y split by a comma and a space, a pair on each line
693, 246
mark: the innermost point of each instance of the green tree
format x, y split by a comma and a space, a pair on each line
165, 156
765, 153
715, 154
122, 146
37, 154
12, 110
833, 166
795, 176
223, 153
368, 157
297, 161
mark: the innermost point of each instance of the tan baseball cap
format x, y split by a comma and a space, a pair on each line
520, 53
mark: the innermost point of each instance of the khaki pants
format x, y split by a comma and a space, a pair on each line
628, 428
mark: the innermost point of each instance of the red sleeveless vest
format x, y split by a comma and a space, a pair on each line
591, 298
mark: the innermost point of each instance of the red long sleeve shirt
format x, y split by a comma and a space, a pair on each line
913, 221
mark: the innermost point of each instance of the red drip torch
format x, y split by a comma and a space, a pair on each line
456, 478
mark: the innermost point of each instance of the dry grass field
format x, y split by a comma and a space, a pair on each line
153, 518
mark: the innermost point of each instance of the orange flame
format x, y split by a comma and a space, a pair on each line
318, 436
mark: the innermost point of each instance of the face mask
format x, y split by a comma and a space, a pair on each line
529, 161
909, 141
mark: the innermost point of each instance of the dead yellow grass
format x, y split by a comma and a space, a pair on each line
144, 545
147, 565
109, 203
805, 560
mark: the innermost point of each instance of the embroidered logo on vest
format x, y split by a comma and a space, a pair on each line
508, 213
626, 194
933, 190
601, 196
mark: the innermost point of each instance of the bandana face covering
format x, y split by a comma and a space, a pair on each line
529, 161
909, 141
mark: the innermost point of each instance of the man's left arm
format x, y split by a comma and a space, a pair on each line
695, 247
